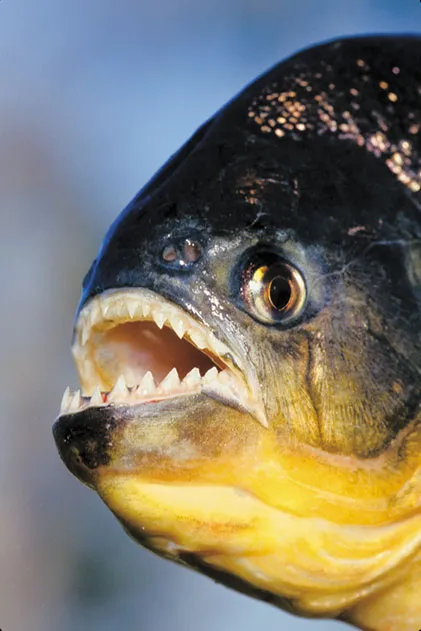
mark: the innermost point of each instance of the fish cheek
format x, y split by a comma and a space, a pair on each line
195, 440
161, 467
186, 442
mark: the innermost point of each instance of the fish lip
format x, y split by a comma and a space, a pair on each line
236, 385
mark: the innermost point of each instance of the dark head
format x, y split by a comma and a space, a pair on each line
248, 339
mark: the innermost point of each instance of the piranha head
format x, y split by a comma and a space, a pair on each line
248, 343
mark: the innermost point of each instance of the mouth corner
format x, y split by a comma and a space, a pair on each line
132, 346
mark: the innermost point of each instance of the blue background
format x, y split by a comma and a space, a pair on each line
95, 95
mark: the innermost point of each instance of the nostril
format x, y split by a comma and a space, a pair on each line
169, 254
181, 254
191, 251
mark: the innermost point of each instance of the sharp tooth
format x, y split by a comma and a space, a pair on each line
132, 309
211, 375
192, 378
145, 307
178, 326
198, 339
75, 402
105, 307
120, 385
147, 385
122, 310
159, 318
119, 392
171, 381
65, 402
96, 398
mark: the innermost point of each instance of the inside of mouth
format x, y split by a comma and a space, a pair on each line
134, 348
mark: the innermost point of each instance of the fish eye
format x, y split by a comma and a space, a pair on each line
273, 290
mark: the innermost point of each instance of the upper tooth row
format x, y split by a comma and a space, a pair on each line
128, 307
147, 389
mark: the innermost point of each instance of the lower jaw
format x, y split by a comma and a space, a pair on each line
323, 568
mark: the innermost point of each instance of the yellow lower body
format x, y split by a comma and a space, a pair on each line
370, 574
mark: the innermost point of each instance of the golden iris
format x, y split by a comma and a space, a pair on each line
275, 292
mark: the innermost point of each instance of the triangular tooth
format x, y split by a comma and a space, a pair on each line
192, 378
120, 385
211, 375
198, 339
105, 308
65, 402
261, 417
96, 398
171, 381
159, 318
147, 385
122, 310
178, 326
132, 309
145, 308
75, 402
119, 392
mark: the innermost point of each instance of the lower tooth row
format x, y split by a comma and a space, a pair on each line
72, 402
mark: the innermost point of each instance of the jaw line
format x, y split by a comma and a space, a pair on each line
236, 384
243, 535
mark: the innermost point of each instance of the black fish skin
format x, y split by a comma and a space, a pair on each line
321, 181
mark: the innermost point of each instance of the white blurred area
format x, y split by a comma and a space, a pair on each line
94, 96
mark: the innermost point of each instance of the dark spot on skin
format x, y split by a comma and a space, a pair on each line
84, 439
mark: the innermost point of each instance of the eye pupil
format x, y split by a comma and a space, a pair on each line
280, 292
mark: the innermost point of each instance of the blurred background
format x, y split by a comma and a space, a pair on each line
94, 96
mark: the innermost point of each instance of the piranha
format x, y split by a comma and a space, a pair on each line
248, 343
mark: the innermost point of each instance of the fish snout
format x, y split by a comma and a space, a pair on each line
84, 441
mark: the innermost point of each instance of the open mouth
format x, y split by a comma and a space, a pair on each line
133, 347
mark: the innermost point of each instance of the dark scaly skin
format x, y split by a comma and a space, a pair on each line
318, 159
